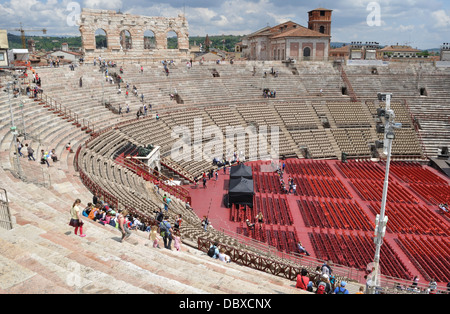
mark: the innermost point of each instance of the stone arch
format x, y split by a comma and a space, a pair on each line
101, 38
149, 39
126, 39
171, 42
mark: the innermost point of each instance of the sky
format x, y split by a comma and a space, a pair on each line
420, 24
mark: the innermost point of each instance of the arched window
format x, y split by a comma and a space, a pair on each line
322, 29
307, 52
125, 40
172, 40
149, 40
101, 39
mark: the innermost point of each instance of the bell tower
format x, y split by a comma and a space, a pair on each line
320, 21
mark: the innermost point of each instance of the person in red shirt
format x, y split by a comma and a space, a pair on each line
302, 280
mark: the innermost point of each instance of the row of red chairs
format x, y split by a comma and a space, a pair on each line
336, 214
431, 257
267, 182
372, 190
284, 240
361, 170
309, 168
433, 194
321, 187
274, 208
410, 172
410, 219
357, 251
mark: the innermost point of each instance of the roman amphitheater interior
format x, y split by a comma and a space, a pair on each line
324, 110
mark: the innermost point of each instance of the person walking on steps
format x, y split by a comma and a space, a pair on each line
126, 233
75, 221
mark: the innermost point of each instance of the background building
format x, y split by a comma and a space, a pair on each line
291, 41
3, 49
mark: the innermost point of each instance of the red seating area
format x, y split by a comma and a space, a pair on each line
320, 187
433, 194
409, 172
337, 204
355, 250
336, 214
309, 168
411, 219
282, 238
430, 256
361, 170
267, 182
274, 207
371, 190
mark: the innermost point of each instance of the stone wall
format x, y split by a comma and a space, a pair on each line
113, 24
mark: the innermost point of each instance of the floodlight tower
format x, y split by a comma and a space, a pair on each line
381, 219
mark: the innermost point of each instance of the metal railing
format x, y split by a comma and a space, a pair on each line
5, 214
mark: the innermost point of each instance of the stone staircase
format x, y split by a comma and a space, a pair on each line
41, 254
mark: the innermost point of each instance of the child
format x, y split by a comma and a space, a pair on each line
154, 236
178, 222
177, 241
223, 257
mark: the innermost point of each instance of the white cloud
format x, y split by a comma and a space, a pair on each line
406, 28
441, 18
103, 4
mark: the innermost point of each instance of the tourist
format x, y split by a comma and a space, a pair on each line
166, 232
44, 157
443, 207
341, 289
302, 280
154, 236
205, 223
302, 249
53, 155
224, 257
75, 220
260, 217
178, 222
177, 241
433, 285
93, 212
81, 82
126, 233
326, 269
361, 290
415, 282
213, 251
30, 152
249, 224
323, 285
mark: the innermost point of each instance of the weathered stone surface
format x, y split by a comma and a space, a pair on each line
113, 24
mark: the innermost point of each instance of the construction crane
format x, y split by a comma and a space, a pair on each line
22, 33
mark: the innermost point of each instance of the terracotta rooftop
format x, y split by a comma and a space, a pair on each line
300, 31
399, 49
320, 9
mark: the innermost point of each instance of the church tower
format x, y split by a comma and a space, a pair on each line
320, 21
